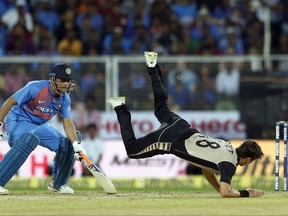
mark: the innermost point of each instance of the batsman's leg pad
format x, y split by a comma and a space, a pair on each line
63, 163
16, 156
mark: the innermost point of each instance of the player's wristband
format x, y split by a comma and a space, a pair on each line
244, 193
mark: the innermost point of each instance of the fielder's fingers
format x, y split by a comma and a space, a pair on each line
255, 193
259, 192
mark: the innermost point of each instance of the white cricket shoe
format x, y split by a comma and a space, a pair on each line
151, 58
64, 189
115, 101
3, 191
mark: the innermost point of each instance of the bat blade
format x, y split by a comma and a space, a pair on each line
100, 176
102, 179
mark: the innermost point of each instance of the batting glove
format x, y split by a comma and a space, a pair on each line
1, 130
77, 149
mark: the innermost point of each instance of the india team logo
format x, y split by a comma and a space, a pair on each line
68, 71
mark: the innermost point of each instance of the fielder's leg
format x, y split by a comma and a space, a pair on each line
143, 147
151, 144
16, 156
162, 112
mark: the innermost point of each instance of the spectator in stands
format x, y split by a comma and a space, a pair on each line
184, 74
231, 43
119, 18
179, 92
115, 42
92, 46
18, 15
157, 47
4, 6
138, 18
140, 40
43, 41
40, 71
208, 44
138, 84
93, 145
168, 38
227, 86
204, 23
70, 45
92, 15
185, 10
89, 79
19, 42
47, 16
46, 47
89, 114
68, 22
253, 37
204, 97
15, 78
222, 10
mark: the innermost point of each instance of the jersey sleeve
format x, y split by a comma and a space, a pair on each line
27, 93
227, 171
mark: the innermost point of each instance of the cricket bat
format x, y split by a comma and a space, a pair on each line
100, 176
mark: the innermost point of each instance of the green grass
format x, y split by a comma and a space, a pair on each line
182, 196
140, 203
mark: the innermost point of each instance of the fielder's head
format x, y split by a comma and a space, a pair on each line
61, 77
249, 151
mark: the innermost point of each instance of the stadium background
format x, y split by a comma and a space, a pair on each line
197, 41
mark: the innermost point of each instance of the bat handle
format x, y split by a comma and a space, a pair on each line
89, 162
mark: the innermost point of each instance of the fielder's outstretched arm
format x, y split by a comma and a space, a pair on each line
226, 190
211, 178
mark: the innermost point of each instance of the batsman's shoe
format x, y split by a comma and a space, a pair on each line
151, 58
3, 191
64, 189
116, 101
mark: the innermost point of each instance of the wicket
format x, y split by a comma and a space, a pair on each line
277, 154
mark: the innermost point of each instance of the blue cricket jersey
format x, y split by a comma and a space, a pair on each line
37, 104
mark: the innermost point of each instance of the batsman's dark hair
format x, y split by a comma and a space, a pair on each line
250, 148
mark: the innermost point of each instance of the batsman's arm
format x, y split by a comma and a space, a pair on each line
70, 129
6, 107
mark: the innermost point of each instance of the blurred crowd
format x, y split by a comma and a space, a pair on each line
179, 27
130, 27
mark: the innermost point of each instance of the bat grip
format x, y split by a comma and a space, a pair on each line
85, 158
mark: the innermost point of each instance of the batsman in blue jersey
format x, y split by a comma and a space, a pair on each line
26, 115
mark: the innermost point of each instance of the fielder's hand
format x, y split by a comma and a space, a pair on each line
77, 149
1, 130
255, 192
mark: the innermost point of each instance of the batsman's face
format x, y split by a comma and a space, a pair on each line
63, 85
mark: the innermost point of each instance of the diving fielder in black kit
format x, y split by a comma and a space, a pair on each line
175, 136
